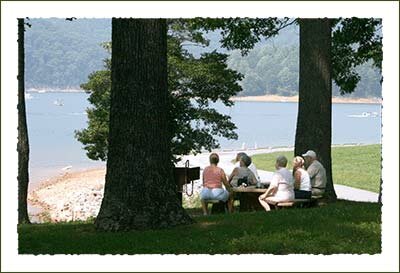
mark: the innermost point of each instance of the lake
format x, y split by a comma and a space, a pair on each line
53, 117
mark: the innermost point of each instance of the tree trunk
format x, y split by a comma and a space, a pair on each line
380, 183
23, 143
139, 191
380, 191
314, 120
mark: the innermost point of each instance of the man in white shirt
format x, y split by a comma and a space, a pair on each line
252, 167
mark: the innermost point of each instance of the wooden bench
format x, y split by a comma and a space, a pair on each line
296, 203
218, 206
314, 201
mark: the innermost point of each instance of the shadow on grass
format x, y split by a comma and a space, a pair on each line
342, 227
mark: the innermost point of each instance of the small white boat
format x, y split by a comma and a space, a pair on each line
365, 115
66, 168
28, 96
374, 114
58, 102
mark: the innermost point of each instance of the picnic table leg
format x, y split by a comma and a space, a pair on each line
250, 202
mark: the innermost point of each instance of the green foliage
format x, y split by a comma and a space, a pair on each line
355, 166
341, 227
274, 70
194, 84
95, 136
242, 33
354, 41
268, 70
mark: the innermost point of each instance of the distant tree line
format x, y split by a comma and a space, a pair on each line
269, 69
61, 54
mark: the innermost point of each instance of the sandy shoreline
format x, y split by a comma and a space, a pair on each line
275, 98
68, 197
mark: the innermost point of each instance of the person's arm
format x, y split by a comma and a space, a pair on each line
273, 187
203, 177
297, 179
225, 181
312, 172
254, 179
234, 172
269, 192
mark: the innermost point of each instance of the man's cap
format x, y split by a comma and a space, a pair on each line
310, 153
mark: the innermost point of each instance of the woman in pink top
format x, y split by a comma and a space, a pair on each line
213, 178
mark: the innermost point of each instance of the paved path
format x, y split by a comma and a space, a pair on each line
350, 193
225, 162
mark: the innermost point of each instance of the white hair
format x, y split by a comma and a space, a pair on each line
281, 161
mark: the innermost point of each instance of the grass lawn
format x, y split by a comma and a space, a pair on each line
341, 227
354, 166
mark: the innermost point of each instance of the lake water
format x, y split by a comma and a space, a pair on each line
260, 124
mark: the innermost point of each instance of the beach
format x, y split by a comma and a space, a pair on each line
68, 197
275, 98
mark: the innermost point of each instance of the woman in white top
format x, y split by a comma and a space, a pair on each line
302, 183
281, 186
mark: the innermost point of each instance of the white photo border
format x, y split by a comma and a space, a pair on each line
388, 260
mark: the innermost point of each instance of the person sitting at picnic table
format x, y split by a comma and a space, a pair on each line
242, 174
317, 173
281, 187
213, 178
252, 167
302, 184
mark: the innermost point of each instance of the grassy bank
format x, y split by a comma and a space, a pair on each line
354, 166
342, 227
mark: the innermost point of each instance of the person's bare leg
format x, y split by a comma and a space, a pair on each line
230, 204
264, 203
204, 206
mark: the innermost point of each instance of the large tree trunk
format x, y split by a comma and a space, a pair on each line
139, 191
314, 120
23, 143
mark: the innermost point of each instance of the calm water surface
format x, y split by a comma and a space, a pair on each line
260, 124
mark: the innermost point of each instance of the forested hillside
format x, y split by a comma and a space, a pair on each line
274, 70
61, 54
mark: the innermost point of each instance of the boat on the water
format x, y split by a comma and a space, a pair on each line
365, 115
58, 102
28, 96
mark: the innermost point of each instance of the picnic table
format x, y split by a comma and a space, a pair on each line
248, 197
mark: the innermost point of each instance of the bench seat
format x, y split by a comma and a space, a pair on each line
217, 206
296, 202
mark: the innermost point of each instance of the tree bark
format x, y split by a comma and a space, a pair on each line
23, 142
314, 120
380, 191
139, 191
